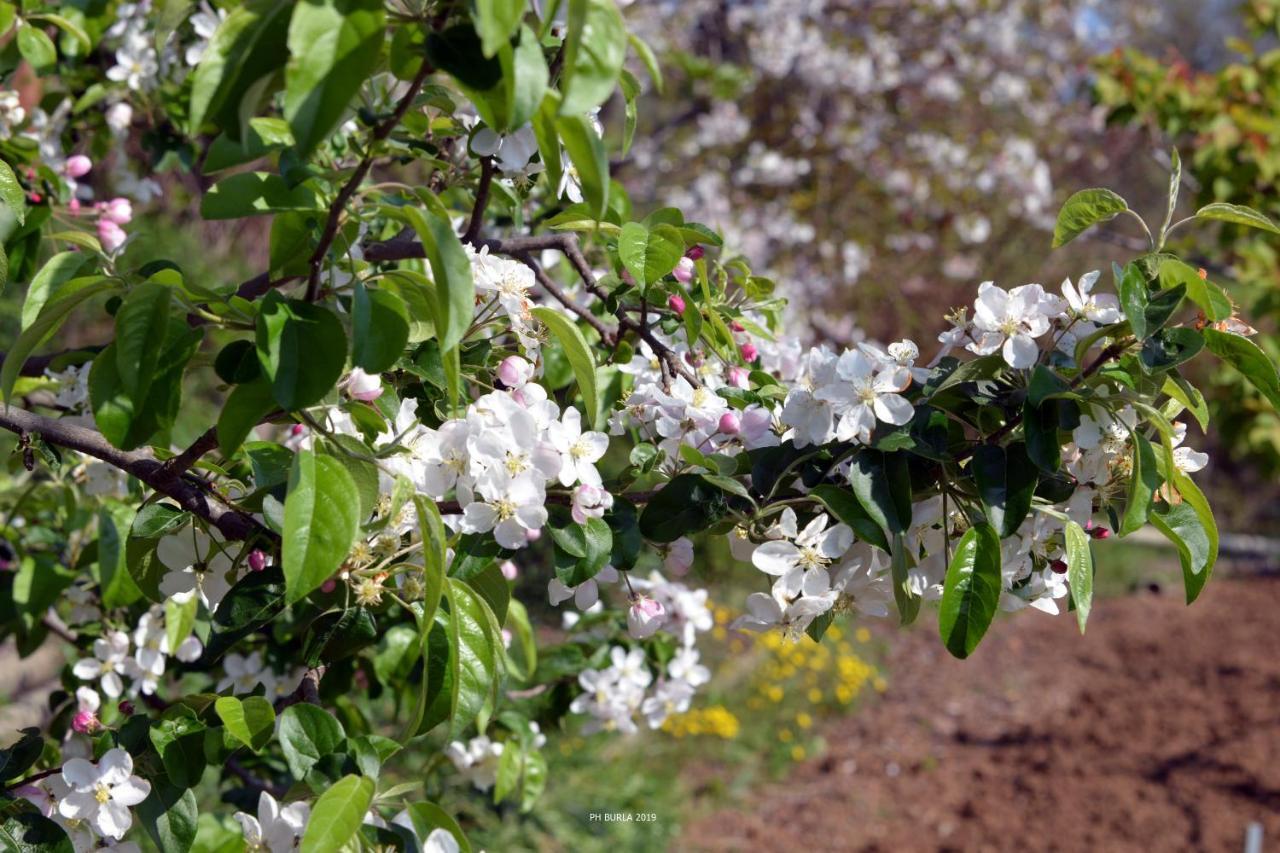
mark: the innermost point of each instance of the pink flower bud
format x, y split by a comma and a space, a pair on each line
645, 617
118, 210
676, 303
1100, 533
509, 570
329, 586
1059, 567
126, 708
257, 560
514, 371
110, 234
77, 166
749, 352
695, 253
362, 386
73, 206
36, 198
683, 271
736, 326
739, 377
533, 535
297, 429
86, 722
729, 423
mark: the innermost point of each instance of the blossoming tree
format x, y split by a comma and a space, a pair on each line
468, 358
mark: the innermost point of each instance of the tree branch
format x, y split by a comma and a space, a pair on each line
482, 200
191, 496
381, 132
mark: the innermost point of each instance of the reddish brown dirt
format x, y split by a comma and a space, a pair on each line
1158, 731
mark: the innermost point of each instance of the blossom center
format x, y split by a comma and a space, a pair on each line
505, 509
101, 793
810, 558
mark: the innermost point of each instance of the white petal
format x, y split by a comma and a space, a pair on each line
79, 773
776, 558
1021, 352
894, 409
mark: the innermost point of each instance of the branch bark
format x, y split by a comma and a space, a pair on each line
190, 495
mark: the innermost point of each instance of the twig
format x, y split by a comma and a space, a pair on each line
482, 200
338, 207
207, 441
251, 781
308, 690
607, 335
191, 496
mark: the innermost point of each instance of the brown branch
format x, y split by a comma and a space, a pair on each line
607, 336
381, 132
308, 690
207, 441
189, 495
482, 201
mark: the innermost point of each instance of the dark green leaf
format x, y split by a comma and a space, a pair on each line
337, 815
1083, 210
971, 592
595, 48
1143, 481
307, 733
1079, 571
302, 348
1245, 356
321, 519
379, 328
334, 45
1006, 482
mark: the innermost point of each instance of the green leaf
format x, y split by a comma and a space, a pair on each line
1237, 214
13, 197
1006, 481
254, 194
61, 268
379, 328
1083, 210
904, 597
1242, 354
1143, 482
321, 519
1210, 298
1132, 287
15, 760
302, 348
251, 721
544, 130
649, 254
595, 48
245, 52
1079, 571
590, 161
50, 319
334, 46
37, 48
882, 485
582, 550
971, 592
142, 325
455, 296
128, 425
648, 59
179, 616
244, 409
524, 78
336, 817
473, 660
576, 351
685, 505
496, 21
844, 506
68, 27
307, 734
32, 832
169, 816
1175, 179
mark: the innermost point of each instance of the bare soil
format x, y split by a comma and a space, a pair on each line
1157, 731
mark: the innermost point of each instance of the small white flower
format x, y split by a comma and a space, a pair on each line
197, 564
110, 657
276, 829
1010, 321
102, 794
